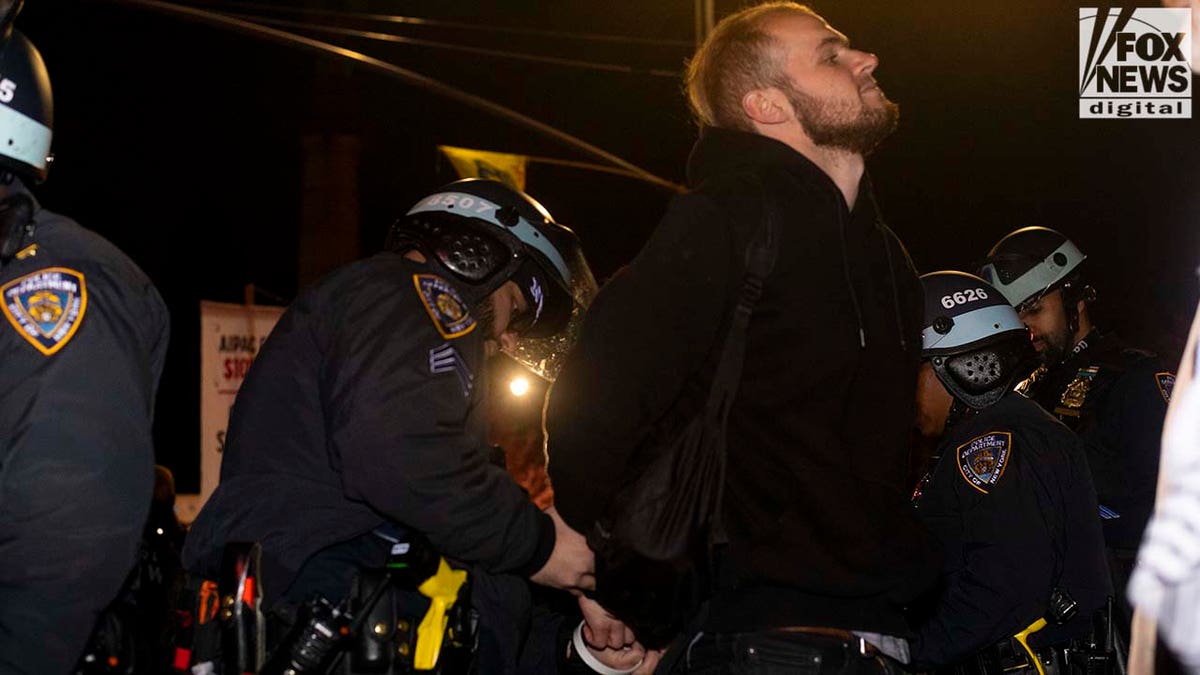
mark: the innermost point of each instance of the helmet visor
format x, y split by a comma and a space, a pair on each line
543, 351
548, 303
1023, 277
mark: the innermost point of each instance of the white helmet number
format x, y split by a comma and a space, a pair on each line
963, 297
7, 89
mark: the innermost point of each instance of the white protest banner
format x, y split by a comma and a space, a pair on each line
230, 337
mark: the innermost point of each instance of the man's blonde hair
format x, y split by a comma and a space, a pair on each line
739, 56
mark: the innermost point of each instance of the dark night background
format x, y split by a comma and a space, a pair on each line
185, 143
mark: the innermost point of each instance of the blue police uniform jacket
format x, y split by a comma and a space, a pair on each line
1115, 398
1011, 500
84, 338
364, 407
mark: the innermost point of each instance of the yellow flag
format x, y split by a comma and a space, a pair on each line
508, 169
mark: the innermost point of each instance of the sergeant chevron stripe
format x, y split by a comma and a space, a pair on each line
446, 359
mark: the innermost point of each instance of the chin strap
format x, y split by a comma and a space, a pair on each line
1072, 293
16, 225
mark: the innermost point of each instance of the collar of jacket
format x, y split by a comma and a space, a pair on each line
720, 151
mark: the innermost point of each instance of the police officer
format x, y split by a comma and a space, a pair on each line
1008, 496
361, 418
83, 339
1112, 396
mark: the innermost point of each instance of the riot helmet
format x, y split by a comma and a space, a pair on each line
972, 337
26, 109
1032, 261
481, 233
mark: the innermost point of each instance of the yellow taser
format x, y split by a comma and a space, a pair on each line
442, 590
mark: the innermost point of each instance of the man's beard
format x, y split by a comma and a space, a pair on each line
1054, 349
836, 124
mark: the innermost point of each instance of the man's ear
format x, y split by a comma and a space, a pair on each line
766, 106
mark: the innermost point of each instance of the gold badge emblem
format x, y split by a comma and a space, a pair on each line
983, 463
1076, 393
45, 307
450, 306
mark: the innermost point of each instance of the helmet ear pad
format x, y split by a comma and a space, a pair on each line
1075, 290
981, 376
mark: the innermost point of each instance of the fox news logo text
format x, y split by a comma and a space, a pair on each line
1135, 62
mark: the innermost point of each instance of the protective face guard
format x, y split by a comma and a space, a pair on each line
478, 254
982, 376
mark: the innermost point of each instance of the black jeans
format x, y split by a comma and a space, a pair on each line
772, 652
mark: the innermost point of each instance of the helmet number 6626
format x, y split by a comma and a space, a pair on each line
961, 297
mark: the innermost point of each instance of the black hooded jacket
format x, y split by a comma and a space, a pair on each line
815, 502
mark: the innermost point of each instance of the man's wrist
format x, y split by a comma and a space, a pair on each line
580, 647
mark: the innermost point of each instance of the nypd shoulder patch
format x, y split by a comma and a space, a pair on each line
982, 460
1166, 383
46, 307
448, 311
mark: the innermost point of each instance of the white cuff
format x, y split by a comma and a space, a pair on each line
592, 662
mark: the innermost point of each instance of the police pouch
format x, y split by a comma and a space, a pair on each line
654, 545
1062, 607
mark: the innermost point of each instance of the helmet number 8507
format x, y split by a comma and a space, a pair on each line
461, 201
961, 297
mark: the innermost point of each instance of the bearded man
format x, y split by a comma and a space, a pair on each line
823, 551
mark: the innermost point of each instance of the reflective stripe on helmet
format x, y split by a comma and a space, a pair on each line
971, 327
1038, 279
27, 140
472, 206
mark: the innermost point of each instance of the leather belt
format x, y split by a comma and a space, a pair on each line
864, 648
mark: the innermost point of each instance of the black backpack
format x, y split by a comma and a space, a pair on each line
655, 543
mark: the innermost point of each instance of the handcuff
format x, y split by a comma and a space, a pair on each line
591, 661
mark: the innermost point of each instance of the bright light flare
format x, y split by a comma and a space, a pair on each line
519, 386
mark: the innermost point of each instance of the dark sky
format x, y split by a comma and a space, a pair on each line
182, 142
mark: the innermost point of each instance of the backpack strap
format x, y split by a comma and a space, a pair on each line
761, 255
